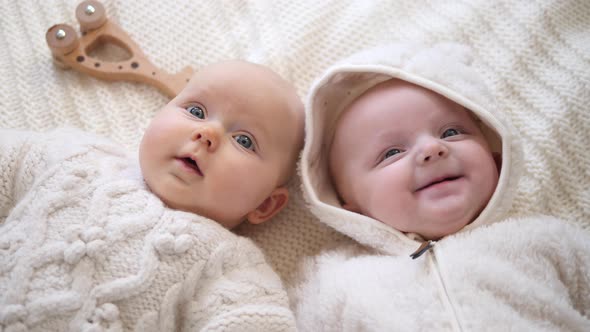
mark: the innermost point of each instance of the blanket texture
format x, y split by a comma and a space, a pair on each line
534, 55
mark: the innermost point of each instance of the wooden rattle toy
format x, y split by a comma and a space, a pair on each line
69, 51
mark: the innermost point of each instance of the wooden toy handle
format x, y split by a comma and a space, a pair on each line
69, 51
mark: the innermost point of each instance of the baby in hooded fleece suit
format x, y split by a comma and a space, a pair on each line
406, 154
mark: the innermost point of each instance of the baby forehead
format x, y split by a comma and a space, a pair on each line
399, 94
399, 99
244, 82
389, 110
240, 100
240, 72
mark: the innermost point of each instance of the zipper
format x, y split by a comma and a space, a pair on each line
447, 299
424, 247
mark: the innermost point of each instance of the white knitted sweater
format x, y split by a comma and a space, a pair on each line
498, 273
85, 246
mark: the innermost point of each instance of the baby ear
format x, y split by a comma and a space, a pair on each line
272, 205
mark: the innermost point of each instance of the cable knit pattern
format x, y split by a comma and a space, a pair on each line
534, 55
85, 246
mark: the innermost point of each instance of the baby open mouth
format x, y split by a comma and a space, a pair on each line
451, 178
192, 164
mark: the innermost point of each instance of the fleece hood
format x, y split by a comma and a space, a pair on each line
442, 68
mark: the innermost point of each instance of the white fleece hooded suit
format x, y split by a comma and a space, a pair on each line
498, 273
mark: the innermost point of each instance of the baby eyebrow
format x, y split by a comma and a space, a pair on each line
259, 132
391, 136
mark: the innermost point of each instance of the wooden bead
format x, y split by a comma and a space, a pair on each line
91, 15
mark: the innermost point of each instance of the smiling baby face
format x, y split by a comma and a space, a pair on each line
412, 159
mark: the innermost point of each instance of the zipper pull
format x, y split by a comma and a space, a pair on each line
424, 247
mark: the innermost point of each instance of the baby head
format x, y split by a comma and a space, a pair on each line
412, 159
226, 146
403, 143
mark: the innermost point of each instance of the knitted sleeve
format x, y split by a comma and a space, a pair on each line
238, 291
20, 163
26, 155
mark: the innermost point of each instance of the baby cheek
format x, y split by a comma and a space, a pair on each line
244, 189
160, 129
154, 140
489, 169
486, 183
492, 180
379, 197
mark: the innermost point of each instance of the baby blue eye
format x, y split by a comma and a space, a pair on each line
244, 141
391, 153
450, 132
196, 111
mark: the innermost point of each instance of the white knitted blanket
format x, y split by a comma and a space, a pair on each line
535, 55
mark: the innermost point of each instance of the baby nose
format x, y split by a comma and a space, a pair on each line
209, 136
431, 151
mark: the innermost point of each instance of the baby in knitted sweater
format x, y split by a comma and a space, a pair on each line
407, 154
93, 238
